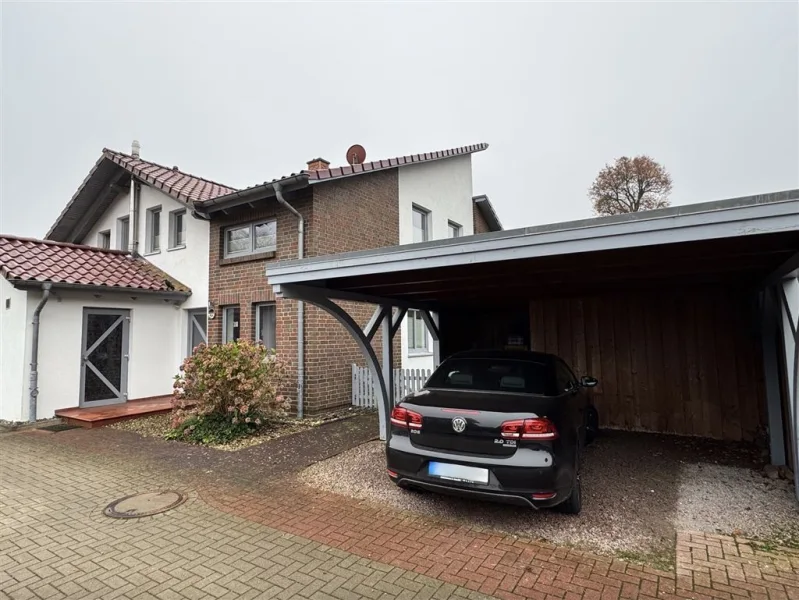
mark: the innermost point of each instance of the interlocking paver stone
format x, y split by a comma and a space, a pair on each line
278, 539
56, 543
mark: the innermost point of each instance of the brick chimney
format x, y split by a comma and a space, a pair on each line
318, 164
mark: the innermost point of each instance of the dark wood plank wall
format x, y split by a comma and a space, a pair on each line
682, 361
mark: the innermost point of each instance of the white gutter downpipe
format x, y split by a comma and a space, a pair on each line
300, 304
133, 220
34, 378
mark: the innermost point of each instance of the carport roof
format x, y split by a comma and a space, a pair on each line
747, 238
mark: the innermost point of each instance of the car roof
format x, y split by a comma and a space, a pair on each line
525, 355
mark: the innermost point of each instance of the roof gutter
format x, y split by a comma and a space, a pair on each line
253, 194
278, 189
34, 378
24, 284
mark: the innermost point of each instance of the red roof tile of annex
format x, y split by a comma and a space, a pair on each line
27, 260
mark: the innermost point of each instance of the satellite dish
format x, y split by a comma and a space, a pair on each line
356, 155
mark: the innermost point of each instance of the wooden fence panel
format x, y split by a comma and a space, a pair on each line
406, 381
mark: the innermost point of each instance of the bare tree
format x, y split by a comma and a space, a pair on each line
630, 185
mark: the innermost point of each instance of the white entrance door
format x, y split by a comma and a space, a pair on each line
198, 328
104, 356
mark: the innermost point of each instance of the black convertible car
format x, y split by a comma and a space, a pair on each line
506, 426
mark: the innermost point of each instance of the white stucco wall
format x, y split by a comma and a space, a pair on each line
188, 265
14, 367
153, 362
444, 188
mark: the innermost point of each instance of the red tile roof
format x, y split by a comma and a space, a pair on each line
172, 181
28, 260
390, 163
351, 170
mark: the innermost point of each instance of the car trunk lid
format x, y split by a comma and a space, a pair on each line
470, 422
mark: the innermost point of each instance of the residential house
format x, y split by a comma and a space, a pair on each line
209, 245
82, 326
127, 211
401, 200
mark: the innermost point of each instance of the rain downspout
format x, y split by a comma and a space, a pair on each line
300, 304
34, 388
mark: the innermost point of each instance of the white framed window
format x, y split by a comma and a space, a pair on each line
266, 324
104, 239
455, 230
177, 229
417, 332
153, 230
230, 323
421, 224
198, 328
123, 233
252, 238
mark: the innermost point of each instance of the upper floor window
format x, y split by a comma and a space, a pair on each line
153, 230
104, 239
421, 224
455, 230
123, 233
251, 238
177, 228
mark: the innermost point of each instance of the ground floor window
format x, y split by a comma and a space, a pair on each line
230, 323
265, 324
198, 328
417, 332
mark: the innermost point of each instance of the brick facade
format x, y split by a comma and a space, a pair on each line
480, 224
340, 216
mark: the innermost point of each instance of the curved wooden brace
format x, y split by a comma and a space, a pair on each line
333, 309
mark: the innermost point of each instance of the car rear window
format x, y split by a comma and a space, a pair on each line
493, 375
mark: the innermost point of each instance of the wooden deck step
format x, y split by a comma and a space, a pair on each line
106, 415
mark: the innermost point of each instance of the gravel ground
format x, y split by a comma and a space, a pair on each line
158, 426
637, 490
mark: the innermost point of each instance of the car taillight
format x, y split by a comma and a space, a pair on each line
402, 417
529, 429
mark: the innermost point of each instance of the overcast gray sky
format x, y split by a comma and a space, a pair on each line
241, 93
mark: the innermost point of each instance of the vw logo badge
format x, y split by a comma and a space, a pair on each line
459, 424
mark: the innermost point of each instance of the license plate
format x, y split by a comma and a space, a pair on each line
458, 472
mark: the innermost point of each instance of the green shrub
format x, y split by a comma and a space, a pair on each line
227, 391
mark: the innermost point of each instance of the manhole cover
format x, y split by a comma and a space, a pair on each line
144, 505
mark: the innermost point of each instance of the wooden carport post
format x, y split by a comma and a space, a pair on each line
384, 317
771, 374
788, 290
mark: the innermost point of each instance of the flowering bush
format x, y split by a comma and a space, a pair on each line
227, 391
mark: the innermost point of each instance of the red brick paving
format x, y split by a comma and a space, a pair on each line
708, 566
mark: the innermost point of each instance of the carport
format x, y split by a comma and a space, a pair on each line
687, 315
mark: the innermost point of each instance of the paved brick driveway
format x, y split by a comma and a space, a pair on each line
248, 536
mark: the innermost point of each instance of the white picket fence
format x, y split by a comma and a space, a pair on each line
405, 382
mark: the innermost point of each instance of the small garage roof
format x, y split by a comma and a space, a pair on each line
29, 262
744, 235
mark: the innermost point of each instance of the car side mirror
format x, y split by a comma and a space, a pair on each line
589, 382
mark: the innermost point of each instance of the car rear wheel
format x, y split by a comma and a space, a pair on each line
574, 504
